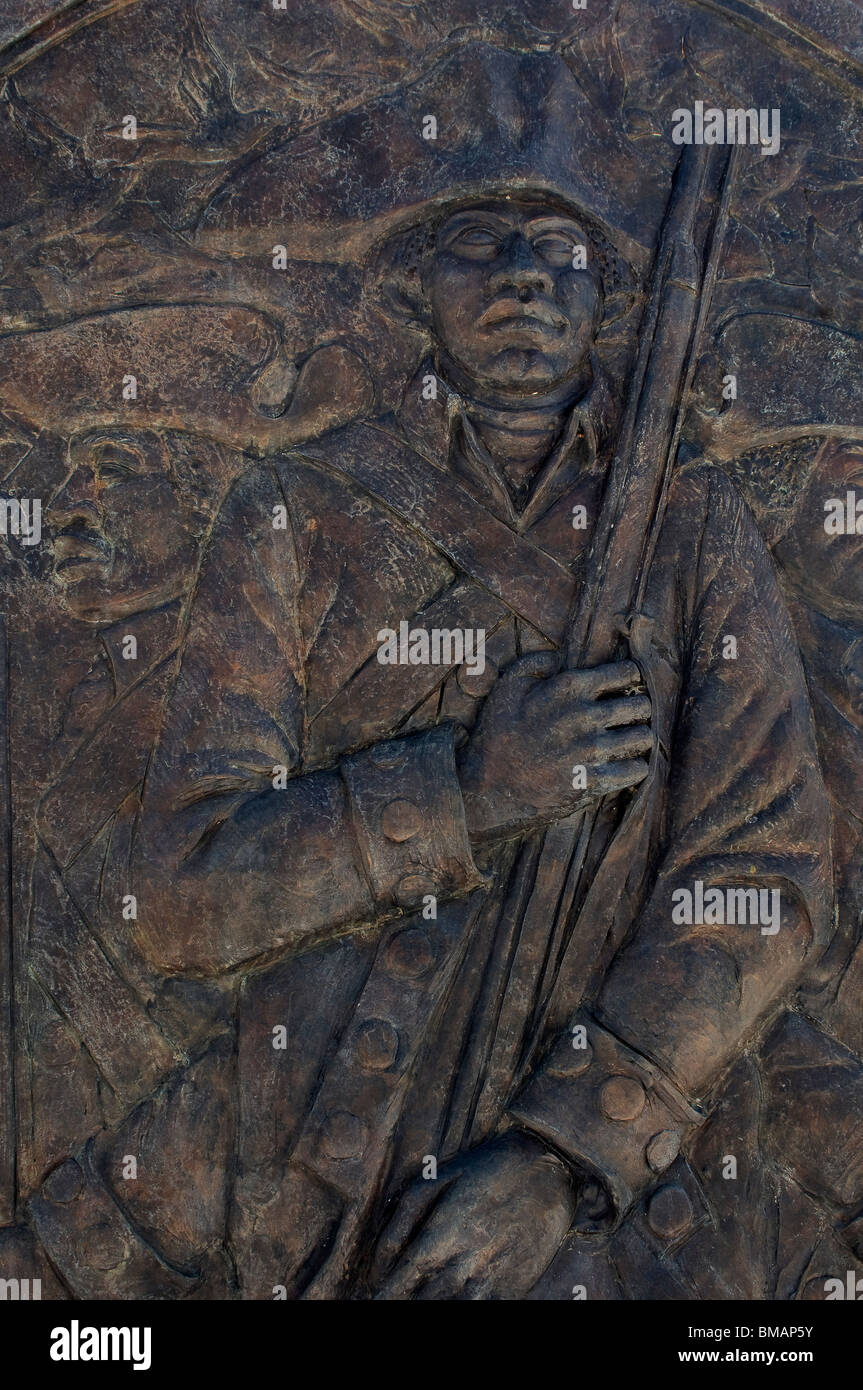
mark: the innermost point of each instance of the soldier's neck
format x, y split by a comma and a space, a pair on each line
518, 432
518, 442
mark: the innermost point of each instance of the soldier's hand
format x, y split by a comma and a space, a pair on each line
549, 742
486, 1228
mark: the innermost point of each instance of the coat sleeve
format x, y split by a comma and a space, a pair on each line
744, 809
242, 850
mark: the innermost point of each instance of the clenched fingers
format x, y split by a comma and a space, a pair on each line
621, 743
609, 679
559, 705
412, 1210
424, 1258
606, 779
631, 709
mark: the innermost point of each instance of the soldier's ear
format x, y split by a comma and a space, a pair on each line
403, 298
397, 274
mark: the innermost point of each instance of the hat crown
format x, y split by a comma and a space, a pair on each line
504, 122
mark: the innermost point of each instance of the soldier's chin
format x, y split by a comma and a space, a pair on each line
90, 598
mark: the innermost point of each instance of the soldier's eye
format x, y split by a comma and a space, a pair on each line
113, 473
555, 248
476, 243
115, 465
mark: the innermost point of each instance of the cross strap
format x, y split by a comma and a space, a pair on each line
529, 581
361, 712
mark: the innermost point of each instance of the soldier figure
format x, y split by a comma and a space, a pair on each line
360, 840
792, 1111
125, 525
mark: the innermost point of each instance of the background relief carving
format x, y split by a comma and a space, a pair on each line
370, 375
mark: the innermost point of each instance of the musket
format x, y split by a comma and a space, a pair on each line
623, 545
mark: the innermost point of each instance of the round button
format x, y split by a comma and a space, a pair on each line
413, 888
343, 1135
377, 1044
622, 1098
669, 1212
401, 820
477, 683
410, 954
663, 1149
64, 1183
568, 1061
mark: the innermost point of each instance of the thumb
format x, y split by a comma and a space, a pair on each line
402, 1226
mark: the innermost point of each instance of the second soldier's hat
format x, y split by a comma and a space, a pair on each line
216, 370
792, 376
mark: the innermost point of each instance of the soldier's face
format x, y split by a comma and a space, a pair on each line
507, 303
124, 541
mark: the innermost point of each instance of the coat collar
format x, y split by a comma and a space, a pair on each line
156, 634
440, 429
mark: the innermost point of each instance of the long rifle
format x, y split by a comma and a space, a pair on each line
624, 542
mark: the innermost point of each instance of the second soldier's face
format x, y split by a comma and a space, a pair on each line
124, 540
508, 304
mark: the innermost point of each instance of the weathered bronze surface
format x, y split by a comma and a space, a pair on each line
431, 438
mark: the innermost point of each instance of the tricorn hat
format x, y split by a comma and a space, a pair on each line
481, 120
794, 376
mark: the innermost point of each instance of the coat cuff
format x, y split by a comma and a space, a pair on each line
90, 1242
409, 820
606, 1108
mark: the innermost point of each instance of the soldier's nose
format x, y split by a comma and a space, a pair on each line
521, 272
76, 503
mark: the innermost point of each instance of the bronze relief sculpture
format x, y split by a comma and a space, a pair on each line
433, 697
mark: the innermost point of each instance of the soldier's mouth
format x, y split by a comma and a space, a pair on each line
78, 554
76, 570
525, 324
518, 313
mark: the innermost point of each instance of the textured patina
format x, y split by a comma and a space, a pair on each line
432, 767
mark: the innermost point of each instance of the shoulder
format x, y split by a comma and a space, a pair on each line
704, 499
705, 484
321, 477
372, 437
254, 485
338, 468
356, 434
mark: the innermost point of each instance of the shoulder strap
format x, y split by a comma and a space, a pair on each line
525, 578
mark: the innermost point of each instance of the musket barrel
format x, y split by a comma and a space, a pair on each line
623, 546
